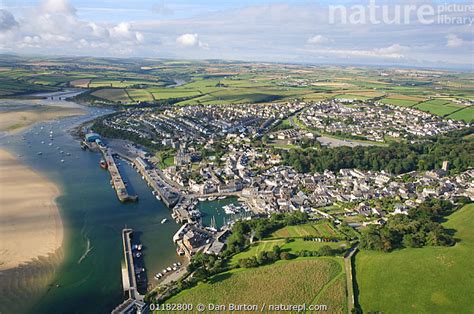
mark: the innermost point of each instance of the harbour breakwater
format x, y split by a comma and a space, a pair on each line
89, 263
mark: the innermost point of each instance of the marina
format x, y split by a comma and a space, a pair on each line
93, 219
95, 215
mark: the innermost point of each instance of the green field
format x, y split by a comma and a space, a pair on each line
113, 94
426, 280
438, 107
399, 102
140, 95
320, 229
295, 246
304, 280
350, 96
466, 114
225, 82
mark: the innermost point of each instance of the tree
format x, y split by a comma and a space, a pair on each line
326, 250
286, 256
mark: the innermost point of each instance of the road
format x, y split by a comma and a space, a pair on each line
349, 278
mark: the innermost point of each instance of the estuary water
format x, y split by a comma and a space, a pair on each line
89, 278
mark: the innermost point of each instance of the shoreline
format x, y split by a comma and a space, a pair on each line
21, 118
28, 231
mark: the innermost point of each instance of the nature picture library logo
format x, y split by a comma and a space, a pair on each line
407, 12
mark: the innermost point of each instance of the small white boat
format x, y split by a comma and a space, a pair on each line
62, 160
202, 199
169, 268
40, 153
212, 198
164, 220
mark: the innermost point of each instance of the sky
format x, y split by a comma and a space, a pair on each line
424, 33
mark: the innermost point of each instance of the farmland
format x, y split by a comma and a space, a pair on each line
440, 279
306, 280
439, 107
295, 239
466, 114
294, 246
131, 82
320, 230
399, 102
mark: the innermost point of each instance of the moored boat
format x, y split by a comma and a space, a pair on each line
103, 164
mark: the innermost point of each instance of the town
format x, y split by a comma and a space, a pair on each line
374, 121
214, 156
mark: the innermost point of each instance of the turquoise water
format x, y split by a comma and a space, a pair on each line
90, 276
211, 209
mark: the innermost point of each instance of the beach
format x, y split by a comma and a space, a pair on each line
17, 118
30, 223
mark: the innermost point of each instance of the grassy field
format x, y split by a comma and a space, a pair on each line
426, 280
352, 96
140, 95
320, 229
399, 102
216, 82
466, 114
304, 280
438, 107
295, 246
113, 94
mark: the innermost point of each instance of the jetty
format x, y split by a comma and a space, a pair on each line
116, 177
135, 301
166, 193
129, 278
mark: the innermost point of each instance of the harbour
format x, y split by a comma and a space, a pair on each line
94, 216
93, 219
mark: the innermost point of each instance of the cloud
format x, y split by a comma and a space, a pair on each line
318, 40
286, 32
7, 20
124, 31
191, 40
454, 41
162, 9
395, 51
57, 7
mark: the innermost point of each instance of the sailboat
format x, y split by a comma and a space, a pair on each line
213, 224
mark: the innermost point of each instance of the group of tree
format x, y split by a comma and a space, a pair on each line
421, 227
243, 232
265, 257
205, 265
397, 158
276, 254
